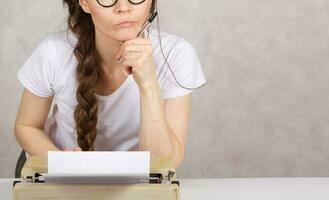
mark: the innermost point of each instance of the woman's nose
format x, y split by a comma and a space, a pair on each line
122, 6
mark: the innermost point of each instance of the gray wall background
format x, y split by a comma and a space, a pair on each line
264, 111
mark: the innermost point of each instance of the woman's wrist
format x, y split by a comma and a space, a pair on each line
149, 85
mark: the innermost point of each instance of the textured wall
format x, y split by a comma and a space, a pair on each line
264, 111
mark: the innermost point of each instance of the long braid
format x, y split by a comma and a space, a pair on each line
88, 74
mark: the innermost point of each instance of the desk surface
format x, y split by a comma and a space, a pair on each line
238, 188
255, 188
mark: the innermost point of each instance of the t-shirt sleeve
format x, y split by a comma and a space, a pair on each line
37, 73
186, 67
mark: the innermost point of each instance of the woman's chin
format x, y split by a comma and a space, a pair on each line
126, 34
125, 38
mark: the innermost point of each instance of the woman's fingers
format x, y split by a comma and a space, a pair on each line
72, 149
132, 48
133, 45
77, 149
132, 55
67, 149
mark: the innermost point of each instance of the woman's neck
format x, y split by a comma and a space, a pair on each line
107, 49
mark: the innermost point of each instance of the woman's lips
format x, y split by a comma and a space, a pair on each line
125, 24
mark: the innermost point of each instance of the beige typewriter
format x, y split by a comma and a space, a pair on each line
162, 185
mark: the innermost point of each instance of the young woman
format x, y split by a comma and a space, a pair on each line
101, 102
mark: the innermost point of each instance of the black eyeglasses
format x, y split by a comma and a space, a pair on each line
110, 3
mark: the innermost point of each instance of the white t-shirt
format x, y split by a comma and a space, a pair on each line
50, 70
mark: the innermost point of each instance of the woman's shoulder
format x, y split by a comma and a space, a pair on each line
63, 40
54, 56
57, 48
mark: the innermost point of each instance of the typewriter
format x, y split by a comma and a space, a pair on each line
162, 185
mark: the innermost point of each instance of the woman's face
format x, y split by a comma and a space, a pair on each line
106, 20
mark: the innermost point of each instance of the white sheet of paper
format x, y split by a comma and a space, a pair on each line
98, 166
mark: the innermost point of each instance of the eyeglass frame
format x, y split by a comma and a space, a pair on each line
116, 1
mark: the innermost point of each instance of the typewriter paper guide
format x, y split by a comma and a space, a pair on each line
98, 167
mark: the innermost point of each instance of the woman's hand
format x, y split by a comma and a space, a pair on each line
137, 59
72, 149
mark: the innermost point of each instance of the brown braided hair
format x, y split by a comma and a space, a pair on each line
88, 73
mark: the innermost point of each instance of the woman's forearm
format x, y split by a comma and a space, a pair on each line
33, 140
155, 134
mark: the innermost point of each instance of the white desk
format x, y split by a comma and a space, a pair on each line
237, 189
6, 188
255, 189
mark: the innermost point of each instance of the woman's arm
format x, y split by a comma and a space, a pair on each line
163, 123
30, 120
